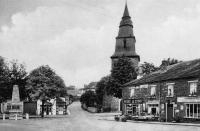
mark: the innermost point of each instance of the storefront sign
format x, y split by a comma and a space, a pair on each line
136, 101
188, 99
127, 101
143, 86
133, 101
153, 102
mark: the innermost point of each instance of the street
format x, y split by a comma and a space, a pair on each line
80, 120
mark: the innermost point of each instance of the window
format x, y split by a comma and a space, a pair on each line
132, 92
17, 107
125, 46
193, 87
170, 90
153, 90
8, 107
193, 110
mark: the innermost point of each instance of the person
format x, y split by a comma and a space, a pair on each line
68, 112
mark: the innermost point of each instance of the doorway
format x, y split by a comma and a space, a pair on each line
169, 112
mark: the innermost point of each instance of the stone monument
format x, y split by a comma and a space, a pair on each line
15, 106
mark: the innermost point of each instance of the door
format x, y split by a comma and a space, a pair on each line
129, 109
169, 112
134, 110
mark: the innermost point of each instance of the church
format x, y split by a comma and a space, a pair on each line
125, 46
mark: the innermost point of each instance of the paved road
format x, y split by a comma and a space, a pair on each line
80, 120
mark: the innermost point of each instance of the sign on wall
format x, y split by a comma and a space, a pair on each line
132, 101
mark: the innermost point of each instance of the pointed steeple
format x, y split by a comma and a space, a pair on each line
126, 13
125, 40
126, 19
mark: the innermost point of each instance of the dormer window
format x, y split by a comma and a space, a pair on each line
170, 89
193, 87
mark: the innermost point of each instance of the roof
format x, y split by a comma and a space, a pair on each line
126, 13
187, 69
126, 19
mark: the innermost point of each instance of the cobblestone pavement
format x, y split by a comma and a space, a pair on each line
80, 120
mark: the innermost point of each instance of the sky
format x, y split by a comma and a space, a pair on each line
77, 37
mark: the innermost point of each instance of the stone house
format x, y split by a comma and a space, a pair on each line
170, 94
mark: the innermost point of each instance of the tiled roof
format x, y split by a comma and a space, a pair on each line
187, 69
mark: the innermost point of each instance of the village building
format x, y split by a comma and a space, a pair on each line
125, 46
56, 106
171, 94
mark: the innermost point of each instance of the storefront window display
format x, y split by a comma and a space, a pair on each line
192, 110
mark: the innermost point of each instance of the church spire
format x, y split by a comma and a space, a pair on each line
126, 13
126, 19
125, 40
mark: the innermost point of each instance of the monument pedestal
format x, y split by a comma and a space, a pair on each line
15, 106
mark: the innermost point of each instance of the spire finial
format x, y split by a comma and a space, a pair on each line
126, 13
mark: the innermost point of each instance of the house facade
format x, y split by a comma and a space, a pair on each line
169, 94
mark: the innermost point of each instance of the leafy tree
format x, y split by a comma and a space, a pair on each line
71, 87
44, 84
168, 61
88, 98
18, 76
4, 78
147, 68
90, 85
101, 90
10, 74
122, 72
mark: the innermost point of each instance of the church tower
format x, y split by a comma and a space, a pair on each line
125, 41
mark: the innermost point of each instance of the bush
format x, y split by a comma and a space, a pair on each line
107, 109
124, 119
88, 98
117, 118
177, 119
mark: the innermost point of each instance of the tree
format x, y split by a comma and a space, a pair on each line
167, 62
18, 76
10, 74
44, 84
88, 98
90, 85
101, 90
4, 78
122, 72
71, 87
147, 68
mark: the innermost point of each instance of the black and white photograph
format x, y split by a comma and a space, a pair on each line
99, 65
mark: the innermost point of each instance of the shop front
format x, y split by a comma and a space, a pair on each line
133, 107
189, 108
153, 107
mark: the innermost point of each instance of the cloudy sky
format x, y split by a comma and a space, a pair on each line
77, 37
